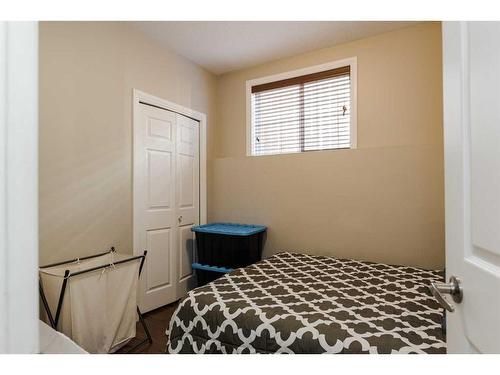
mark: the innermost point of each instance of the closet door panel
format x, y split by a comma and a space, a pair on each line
155, 205
188, 193
159, 248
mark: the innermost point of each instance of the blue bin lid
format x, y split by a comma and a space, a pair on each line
229, 229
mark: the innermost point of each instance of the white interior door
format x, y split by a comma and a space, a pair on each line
471, 72
166, 202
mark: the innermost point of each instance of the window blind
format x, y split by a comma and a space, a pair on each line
306, 113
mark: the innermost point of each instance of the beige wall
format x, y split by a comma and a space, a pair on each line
87, 73
381, 202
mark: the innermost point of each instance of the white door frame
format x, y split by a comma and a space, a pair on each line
19, 187
142, 97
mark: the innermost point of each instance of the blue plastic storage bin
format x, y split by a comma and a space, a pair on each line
226, 245
206, 274
230, 229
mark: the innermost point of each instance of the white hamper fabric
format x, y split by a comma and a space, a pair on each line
99, 308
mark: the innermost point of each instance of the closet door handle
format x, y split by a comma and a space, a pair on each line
179, 219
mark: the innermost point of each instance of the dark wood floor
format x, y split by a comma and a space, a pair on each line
157, 322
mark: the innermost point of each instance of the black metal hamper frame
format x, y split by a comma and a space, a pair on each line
67, 275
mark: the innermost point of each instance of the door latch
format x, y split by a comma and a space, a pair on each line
452, 288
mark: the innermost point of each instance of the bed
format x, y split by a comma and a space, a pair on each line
297, 303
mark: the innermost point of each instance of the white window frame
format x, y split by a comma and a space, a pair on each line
352, 62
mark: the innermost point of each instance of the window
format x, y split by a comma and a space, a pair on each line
307, 112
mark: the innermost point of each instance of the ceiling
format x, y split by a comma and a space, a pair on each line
221, 47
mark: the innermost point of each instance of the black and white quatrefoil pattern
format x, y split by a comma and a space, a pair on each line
297, 303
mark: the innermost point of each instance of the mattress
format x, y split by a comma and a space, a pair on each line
297, 303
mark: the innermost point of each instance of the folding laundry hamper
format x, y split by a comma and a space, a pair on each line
93, 300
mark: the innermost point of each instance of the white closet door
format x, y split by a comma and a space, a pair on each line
166, 202
188, 198
154, 197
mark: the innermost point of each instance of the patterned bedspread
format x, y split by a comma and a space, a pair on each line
296, 303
